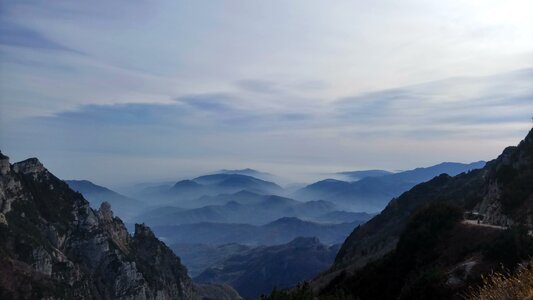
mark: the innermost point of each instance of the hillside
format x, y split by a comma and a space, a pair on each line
259, 270
501, 192
55, 246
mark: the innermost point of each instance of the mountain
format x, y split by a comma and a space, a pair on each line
344, 217
419, 175
423, 245
242, 197
357, 175
198, 257
250, 208
259, 270
238, 182
123, 206
55, 246
250, 172
278, 232
184, 192
371, 194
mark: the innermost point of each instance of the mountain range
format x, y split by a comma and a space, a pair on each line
278, 232
257, 271
123, 206
371, 194
248, 208
185, 191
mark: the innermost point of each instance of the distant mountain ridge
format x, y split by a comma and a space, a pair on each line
208, 185
357, 175
124, 206
277, 232
245, 207
371, 194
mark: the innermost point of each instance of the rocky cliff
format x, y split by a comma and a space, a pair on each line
54, 246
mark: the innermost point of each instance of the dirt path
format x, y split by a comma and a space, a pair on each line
475, 223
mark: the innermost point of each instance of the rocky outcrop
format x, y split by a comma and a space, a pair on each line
54, 246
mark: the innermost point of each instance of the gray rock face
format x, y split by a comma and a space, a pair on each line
55, 246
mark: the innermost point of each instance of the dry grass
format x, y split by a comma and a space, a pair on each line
499, 286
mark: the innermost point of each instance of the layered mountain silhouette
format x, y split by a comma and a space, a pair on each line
258, 271
185, 191
371, 194
248, 208
278, 232
123, 206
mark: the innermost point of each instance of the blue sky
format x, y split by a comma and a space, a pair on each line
127, 91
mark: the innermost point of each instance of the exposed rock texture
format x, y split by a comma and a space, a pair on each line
54, 246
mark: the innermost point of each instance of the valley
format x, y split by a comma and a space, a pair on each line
228, 225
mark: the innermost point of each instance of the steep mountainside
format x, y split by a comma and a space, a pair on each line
259, 270
501, 192
54, 246
371, 194
124, 207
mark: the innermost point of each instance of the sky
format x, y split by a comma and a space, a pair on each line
133, 91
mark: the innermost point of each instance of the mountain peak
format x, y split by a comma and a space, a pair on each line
186, 183
143, 231
29, 166
4, 164
2, 156
105, 211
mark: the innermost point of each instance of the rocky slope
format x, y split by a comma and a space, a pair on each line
54, 246
501, 192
